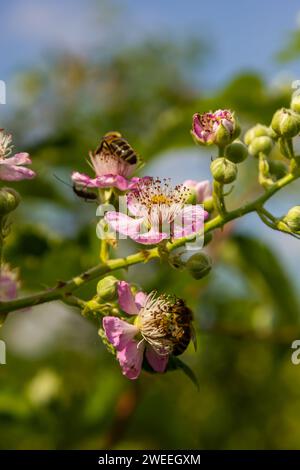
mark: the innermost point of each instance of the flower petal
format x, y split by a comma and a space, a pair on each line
105, 181
156, 361
134, 182
126, 299
18, 159
134, 207
123, 224
15, 173
197, 128
150, 238
189, 221
118, 332
140, 299
83, 179
131, 358
203, 191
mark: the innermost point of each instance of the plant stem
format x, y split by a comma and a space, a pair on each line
65, 288
104, 251
218, 198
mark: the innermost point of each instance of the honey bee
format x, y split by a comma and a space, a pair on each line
184, 321
114, 143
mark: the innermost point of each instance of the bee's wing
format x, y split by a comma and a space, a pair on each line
194, 337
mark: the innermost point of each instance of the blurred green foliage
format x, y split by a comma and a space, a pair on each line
60, 388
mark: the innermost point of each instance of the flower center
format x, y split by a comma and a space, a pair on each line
165, 323
158, 201
5, 144
207, 121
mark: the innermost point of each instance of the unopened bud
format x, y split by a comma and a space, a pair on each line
9, 200
236, 152
292, 219
286, 123
223, 170
259, 145
176, 261
225, 134
199, 265
295, 103
107, 288
277, 168
257, 131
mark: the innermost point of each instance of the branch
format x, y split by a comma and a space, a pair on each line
62, 288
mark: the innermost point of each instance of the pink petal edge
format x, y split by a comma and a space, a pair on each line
131, 359
156, 361
126, 299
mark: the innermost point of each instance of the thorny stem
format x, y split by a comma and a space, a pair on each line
63, 290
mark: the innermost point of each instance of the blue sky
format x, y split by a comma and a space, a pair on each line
240, 34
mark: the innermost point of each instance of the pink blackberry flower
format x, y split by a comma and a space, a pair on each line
160, 212
11, 168
206, 126
113, 163
162, 326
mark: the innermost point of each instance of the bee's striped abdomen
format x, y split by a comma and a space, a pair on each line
122, 149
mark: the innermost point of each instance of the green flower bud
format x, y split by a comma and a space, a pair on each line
257, 131
199, 265
292, 219
286, 123
295, 104
277, 169
225, 134
9, 200
176, 261
107, 288
236, 152
223, 170
259, 145
208, 204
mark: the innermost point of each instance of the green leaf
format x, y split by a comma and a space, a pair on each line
175, 363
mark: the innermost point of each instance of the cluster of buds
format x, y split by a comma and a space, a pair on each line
220, 128
259, 140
